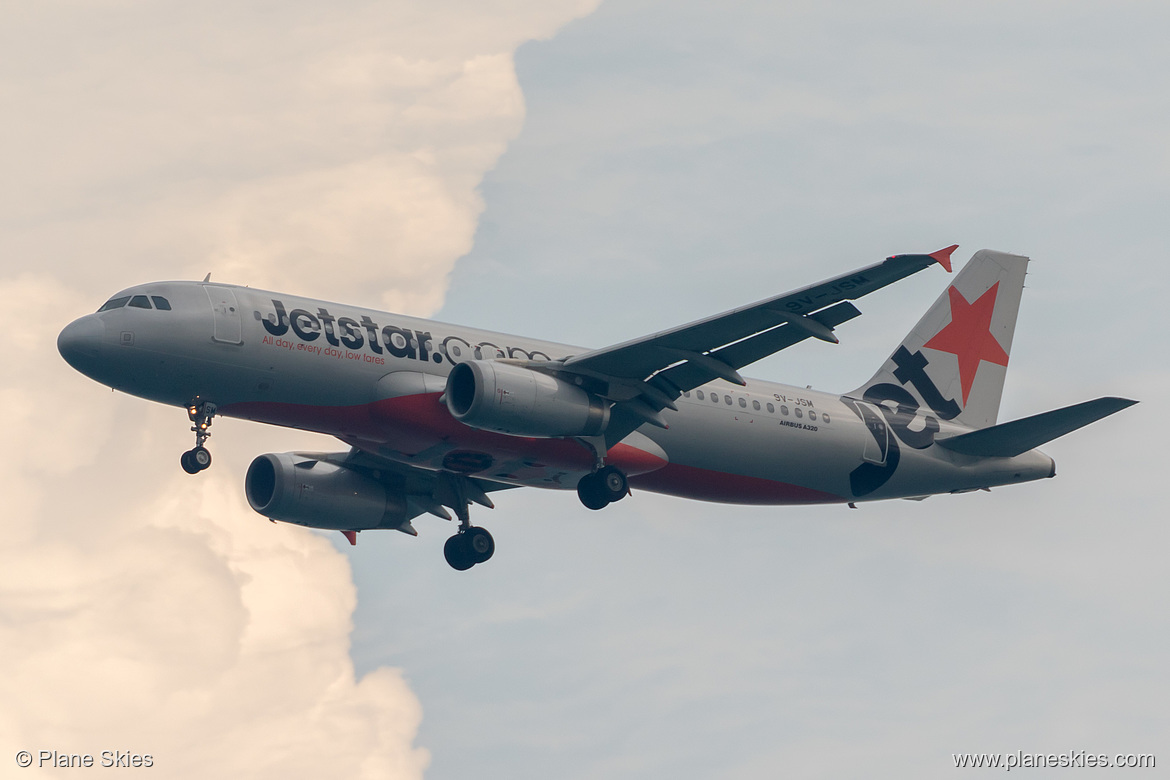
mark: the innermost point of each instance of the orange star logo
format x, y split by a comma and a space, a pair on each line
968, 336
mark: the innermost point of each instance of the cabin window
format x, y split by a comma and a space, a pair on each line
743, 403
714, 398
161, 303
798, 413
771, 409
756, 405
699, 395
825, 418
727, 398
115, 303
140, 302
687, 394
784, 410
812, 415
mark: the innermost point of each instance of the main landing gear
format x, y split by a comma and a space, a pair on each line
199, 458
470, 544
468, 547
601, 488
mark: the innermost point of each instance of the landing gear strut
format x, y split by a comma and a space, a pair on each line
199, 458
601, 488
470, 544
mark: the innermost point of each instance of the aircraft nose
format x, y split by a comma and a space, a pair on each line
81, 340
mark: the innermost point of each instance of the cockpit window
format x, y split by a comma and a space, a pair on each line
115, 303
161, 303
140, 302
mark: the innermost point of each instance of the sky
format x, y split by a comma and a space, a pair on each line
585, 173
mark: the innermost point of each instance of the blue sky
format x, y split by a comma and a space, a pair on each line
678, 159
587, 175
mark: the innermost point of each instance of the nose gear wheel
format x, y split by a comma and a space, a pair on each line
201, 413
194, 461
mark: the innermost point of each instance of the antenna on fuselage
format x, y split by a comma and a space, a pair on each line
207, 278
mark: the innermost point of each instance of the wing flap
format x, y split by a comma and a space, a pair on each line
689, 375
425, 490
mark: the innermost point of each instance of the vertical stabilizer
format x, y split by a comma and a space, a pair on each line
955, 359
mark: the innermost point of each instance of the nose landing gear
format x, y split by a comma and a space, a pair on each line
199, 458
601, 488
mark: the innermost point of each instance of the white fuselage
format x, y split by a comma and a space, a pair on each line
374, 380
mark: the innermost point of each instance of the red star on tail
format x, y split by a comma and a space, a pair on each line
968, 336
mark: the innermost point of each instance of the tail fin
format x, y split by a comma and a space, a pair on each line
955, 359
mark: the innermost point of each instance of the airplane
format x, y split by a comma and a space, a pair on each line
438, 416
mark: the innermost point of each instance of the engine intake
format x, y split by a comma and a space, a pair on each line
302, 490
499, 397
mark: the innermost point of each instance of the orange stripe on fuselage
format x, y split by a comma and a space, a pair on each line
676, 479
413, 423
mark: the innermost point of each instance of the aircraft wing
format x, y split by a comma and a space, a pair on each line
646, 375
426, 491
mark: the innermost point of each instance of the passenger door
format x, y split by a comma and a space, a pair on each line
225, 314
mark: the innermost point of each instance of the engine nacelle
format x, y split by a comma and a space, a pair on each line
302, 490
499, 397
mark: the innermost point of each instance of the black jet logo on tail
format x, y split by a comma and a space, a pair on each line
900, 410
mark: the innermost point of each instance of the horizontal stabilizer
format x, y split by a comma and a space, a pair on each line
1019, 436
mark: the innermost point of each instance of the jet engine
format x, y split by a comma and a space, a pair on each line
496, 396
303, 490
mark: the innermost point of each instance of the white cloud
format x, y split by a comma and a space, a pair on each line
148, 611
333, 151
333, 148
